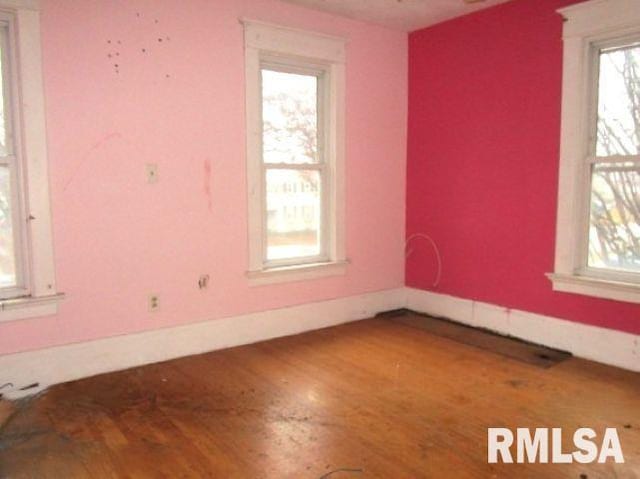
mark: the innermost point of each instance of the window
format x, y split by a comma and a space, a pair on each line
27, 283
294, 166
614, 220
598, 232
12, 266
295, 153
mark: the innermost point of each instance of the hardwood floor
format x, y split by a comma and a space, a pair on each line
379, 398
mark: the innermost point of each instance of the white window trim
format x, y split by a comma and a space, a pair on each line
586, 25
263, 40
43, 297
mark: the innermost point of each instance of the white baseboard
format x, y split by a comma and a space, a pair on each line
590, 342
74, 361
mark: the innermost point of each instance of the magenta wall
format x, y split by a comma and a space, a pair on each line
180, 104
484, 126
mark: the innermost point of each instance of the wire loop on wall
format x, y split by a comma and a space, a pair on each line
435, 249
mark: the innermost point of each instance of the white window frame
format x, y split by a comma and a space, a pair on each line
321, 72
588, 27
38, 295
287, 49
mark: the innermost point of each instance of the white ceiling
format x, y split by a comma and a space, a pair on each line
407, 15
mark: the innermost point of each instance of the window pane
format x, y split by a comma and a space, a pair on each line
4, 149
619, 102
614, 233
7, 251
290, 117
293, 214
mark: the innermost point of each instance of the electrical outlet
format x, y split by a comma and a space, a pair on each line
152, 172
154, 303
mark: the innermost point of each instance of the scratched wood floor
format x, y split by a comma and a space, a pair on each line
382, 399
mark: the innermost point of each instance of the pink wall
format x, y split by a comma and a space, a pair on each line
484, 123
180, 104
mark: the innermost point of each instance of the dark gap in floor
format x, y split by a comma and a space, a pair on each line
513, 348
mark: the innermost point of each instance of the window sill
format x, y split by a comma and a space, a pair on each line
600, 288
29, 307
286, 274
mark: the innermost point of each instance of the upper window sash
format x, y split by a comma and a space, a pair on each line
9, 83
321, 73
626, 150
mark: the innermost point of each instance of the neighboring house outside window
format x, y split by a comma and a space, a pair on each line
598, 231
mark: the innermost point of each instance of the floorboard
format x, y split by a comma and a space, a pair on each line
371, 399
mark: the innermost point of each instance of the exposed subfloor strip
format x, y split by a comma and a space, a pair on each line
534, 354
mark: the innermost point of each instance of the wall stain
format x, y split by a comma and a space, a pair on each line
207, 184
96, 146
